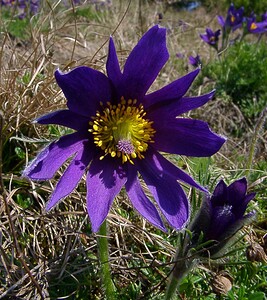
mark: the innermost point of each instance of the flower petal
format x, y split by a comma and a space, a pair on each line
221, 21
112, 66
144, 63
84, 88
165, 166
104, 181
48, 161
237, 196
172, 91
237, 191
65, 118
141, 202
71, 176
220, 195
166, 191
186, 137
177, 107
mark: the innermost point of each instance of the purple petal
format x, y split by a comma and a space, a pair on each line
172, 91
221, 21
167, 167
71, 176
177, 107
237, 190
205, 38
186, 137
48, 161
65, 118
104, 181
222, 218
140, 201
84, 88
220, 194
167, 192
144, 63
237, 196
113, 67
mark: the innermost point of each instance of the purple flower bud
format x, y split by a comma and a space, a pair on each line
222, 215
195, 61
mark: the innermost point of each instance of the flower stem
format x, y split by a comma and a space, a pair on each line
102, 241
182, 265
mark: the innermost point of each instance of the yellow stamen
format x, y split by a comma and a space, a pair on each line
122, 130
253, 26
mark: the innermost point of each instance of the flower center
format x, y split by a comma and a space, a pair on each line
122, 130
253, 26
225, 211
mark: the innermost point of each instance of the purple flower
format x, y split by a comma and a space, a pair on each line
8, 2
119, 131
223, 214
34, 6
195, 61
211, 37
234, 18
256, 27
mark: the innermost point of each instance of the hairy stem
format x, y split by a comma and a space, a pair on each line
102, 241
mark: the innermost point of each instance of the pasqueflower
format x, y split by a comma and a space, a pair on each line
211, 37
256, 27
234, 18
194, 61
119, 131
223, 214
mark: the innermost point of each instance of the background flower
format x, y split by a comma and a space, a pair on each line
234, 18
211, 37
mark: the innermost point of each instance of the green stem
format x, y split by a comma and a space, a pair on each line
102, 241
180, 270
172, 287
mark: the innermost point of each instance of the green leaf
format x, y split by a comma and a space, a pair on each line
257, 296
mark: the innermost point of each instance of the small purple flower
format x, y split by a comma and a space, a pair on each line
256, 27
179, 55
223, 214
119, 131
8, 2
211, 37
34, 6
195, 61
234, 18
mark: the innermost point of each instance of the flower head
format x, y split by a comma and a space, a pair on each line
234, 18
255, 27
223, 214
211, 37
119, 131
195, 61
